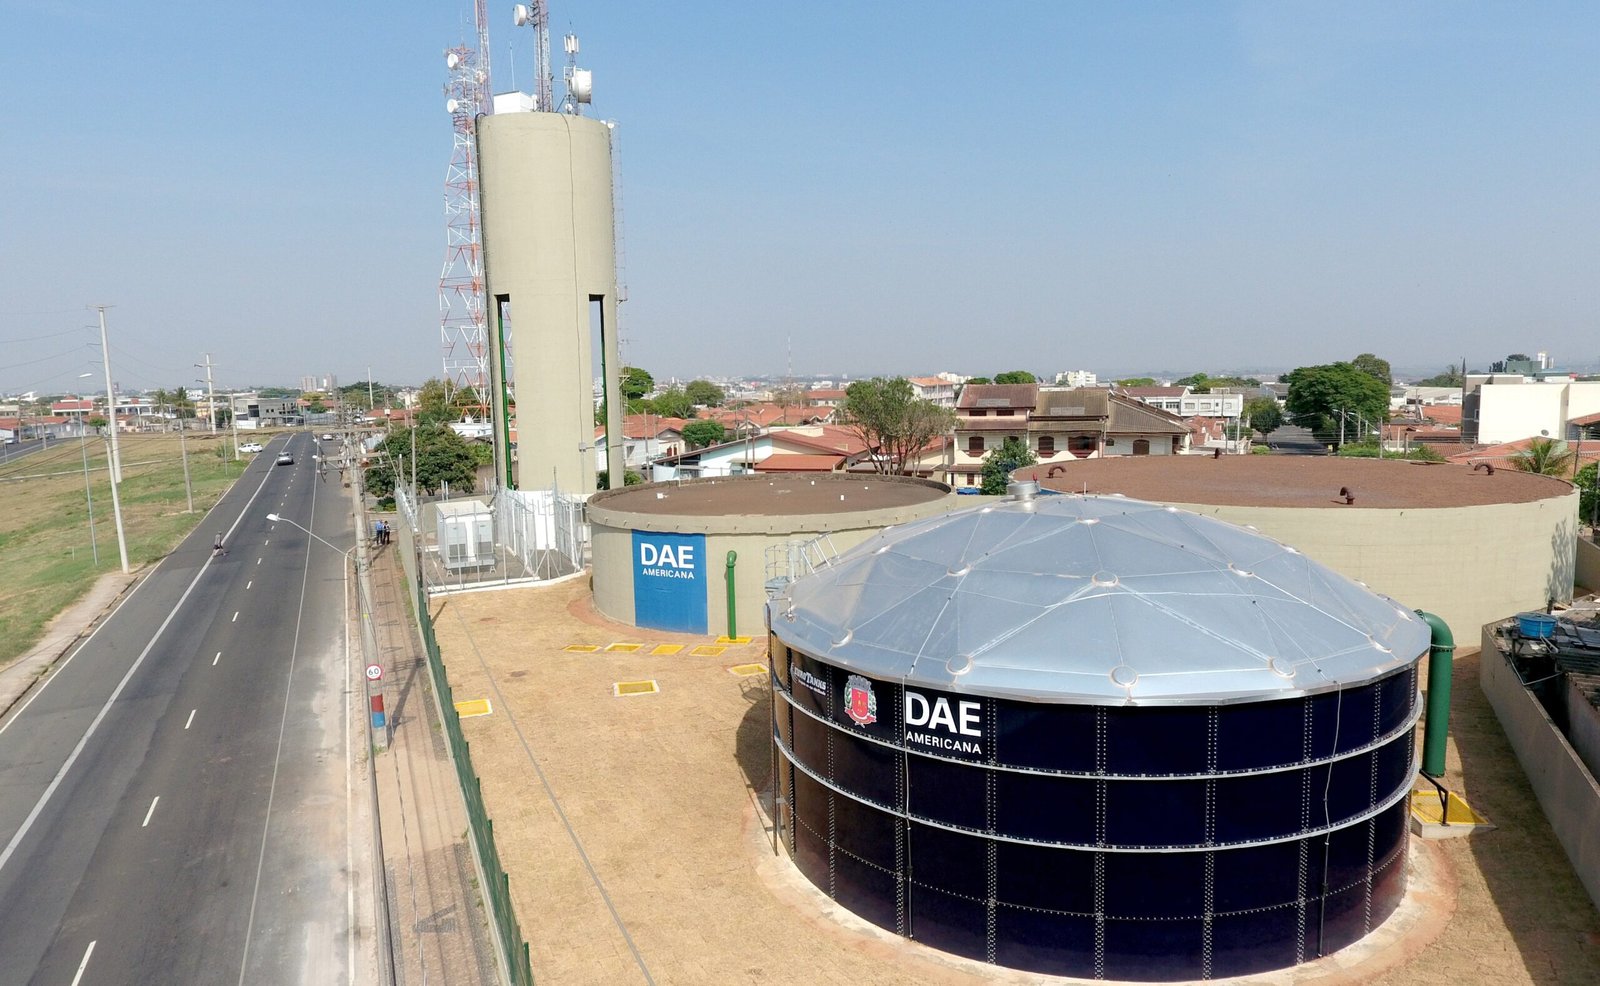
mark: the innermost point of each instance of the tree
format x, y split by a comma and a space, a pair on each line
892, 421
442, 457
1546, 457
602, 479
705, 393
1197, 382
998, 465
1136, 382
673, 402
700, 434
1264, 415
1374, 367
96, 422
1318, 395
790, 396
979, 380
1451, 377
1015, 376
636, 382
1585, 481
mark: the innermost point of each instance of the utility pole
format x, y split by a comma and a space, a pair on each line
371, 404
211, 393
111, 415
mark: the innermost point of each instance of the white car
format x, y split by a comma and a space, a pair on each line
250, 447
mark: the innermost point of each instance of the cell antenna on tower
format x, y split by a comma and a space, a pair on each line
537, 16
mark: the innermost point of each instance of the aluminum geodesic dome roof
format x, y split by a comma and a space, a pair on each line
1100, 600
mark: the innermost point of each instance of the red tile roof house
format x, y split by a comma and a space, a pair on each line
1060, 425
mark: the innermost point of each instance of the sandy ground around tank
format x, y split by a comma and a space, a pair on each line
634, 835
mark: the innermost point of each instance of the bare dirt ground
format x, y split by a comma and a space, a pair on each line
632, 833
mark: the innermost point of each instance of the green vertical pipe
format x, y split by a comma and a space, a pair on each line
733, 621
1436, 724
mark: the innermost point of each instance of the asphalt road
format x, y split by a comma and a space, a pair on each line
18, 449
176, 802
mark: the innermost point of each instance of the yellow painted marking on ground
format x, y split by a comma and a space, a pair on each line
1425, 805
708, 650
473, 707
581, 648
725, 639
623, 648
748, 669
665, 650
623, 688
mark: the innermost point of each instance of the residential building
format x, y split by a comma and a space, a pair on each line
1506, 407
936, 389
1059, 424
1185, 403
825, 397
1076, 378
745, 455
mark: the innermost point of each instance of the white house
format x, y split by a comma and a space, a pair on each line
1505, 407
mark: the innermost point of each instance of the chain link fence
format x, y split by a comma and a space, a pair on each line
512, 537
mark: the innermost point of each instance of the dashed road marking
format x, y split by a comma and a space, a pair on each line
214, 660
152, 811
235, 617
190, 720
250, 583
84, 964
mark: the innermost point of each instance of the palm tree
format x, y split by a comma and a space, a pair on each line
1546, 457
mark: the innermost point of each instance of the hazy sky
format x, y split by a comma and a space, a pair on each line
908, 187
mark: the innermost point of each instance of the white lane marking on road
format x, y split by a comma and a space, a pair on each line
267, 542
116, 693
235, 617
84, 964
258, 561
214, 660
152, 811
190, 721
277, 757
250, 583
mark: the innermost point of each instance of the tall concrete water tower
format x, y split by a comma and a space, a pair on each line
551, 270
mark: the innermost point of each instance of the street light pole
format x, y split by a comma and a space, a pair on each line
111, 415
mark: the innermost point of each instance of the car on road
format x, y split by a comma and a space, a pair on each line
327, 437
250, 447
285, 459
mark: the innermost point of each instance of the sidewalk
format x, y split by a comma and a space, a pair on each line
69, 626
435, 908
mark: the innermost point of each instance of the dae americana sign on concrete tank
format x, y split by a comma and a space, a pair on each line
669, 581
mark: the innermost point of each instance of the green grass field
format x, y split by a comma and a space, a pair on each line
46, 557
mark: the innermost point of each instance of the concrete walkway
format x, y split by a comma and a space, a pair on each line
435, 909
70, 626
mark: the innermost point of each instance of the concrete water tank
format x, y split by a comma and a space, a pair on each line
1097, 737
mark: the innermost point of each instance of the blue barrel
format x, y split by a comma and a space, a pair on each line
1536, 626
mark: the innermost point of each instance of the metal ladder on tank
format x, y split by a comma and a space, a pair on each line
790, 560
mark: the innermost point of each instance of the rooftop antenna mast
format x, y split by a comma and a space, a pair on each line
537, 16
579, 81
463, 319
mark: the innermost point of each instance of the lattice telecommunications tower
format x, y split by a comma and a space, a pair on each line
462, 314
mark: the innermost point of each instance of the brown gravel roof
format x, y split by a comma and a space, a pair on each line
772, 496
1295, 481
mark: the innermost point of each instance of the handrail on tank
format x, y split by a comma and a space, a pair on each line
1436, 724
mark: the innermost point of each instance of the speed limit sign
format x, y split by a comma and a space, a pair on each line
374, 672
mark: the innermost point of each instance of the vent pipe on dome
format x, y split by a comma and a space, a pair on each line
1022, 489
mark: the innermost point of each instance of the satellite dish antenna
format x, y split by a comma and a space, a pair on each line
520, 15
452, 105
451, 60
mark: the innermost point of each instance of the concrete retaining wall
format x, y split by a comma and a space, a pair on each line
1587, 570
1567, 791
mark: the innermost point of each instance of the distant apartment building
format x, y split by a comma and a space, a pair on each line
1059, 424
1076, 378
936, 389
1185, 403
319, 385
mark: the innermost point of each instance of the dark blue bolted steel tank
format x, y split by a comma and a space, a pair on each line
1097, 737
